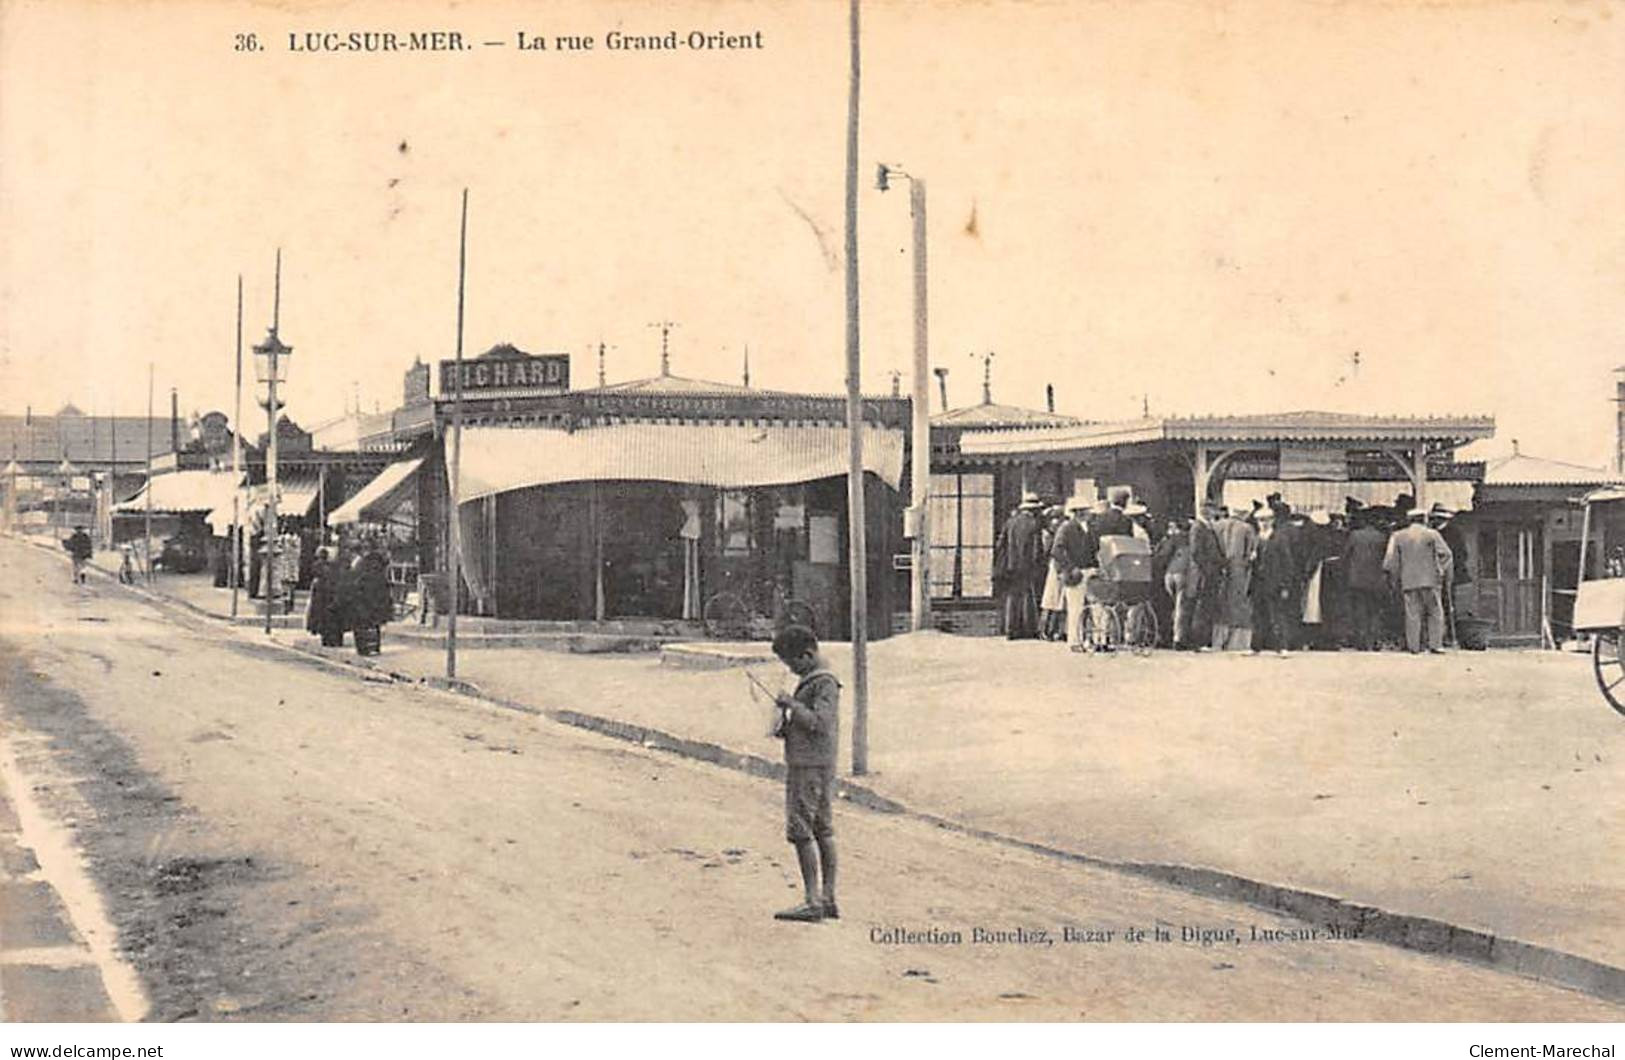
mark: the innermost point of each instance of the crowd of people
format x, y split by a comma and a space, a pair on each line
348, 582
1263, 578
349, 593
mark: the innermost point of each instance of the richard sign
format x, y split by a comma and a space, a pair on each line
508, 371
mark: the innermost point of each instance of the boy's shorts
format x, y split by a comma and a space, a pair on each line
806, 802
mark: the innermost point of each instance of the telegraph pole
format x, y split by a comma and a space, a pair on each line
455, 474
857, 553
146, 544
237, 460
920, 396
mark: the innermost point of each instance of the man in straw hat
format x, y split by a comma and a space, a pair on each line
1418, 560
1019, 564
1075, 556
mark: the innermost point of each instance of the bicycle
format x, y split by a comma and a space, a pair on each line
726, 616
1129, 620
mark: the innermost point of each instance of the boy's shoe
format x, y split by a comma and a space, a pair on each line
807, 913
831, 911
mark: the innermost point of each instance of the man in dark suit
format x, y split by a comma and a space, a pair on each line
1276, 569
1291, 527
1020, 565
1368, 587
1207, 560
1112, 520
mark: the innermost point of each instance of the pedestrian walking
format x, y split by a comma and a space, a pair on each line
1019, 564
809, 724
1418, 560
1233, 609
79, 548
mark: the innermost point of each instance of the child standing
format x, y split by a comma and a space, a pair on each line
809, 725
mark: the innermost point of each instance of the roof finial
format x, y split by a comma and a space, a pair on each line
600, 362
1515, 447
896, 382
665, 327
987, 377
1145, 406
747, 366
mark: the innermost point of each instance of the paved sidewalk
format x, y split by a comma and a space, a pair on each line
1480, 789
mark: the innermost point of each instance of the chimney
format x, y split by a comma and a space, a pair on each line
174, 421
942, 385
1049, 396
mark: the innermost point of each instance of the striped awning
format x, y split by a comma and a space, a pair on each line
379, 497
724, 455
185, 491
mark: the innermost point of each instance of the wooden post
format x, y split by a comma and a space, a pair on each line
596, 530
857, 556
146, 543
920, 406
1199, 479
453, 473
1420, 475
237, 461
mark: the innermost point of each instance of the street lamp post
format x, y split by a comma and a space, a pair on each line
271, 369
920, 442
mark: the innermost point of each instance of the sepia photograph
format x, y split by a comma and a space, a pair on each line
835, 511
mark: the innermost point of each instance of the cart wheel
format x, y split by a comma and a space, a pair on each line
726, 617
1101, 626
1609, 668
1140, 629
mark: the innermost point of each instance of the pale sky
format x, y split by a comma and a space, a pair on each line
1212, 204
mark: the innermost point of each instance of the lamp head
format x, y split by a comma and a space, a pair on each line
882, 177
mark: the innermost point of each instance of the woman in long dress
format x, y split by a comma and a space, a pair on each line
370, 604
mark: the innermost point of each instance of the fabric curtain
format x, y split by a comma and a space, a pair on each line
473, 550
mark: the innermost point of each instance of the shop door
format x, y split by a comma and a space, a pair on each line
1509, 582
643, 549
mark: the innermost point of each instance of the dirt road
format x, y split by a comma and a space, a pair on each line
278, 841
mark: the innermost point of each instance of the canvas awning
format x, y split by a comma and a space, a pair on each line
379, 497
295, 494
724, 455
185, 491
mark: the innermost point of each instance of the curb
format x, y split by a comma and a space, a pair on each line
1369, 923
685, 656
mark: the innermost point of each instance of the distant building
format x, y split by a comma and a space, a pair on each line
1523, 538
